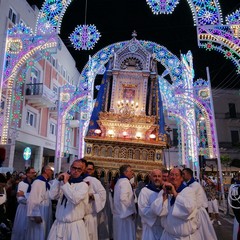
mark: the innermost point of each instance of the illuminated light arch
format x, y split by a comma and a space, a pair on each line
171, 100
65, 107
50, 16
16, 63
49, 24
204, 13
98, 60
207, 17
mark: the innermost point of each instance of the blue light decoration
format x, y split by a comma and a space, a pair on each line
162, 6
234, 18
50, 16
27, 153
84, 37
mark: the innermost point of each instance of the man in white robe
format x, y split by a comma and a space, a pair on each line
72, 195
20, 222
124, 208
97, 200
151, 222
39, 207
206, 228
177, 205
234, 203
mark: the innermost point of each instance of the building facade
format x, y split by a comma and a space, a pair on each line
227, 115
38, 125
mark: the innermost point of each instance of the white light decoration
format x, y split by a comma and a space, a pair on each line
97, 131
138, 135
162, 6
152, 136
127, 107
14, 46
84, 37
110, 133
124, 134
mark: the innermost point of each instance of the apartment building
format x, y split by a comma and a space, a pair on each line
227, 115
37, 128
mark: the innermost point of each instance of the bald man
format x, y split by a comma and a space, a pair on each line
177, 206
151, 222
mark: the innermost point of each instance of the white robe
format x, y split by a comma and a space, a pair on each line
124, 211
151, 222
206, 228
21, 220
69, 224
180, 221
39, 204
235, 229
94, 206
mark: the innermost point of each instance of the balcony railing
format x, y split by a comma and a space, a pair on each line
232, 116
41, 95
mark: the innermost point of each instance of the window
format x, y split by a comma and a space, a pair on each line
35, 81
59, 67
22, 22
12, 15
52, 129
235, 137
175, 137
35, 76
64, 72
55, 89
54, 62
2, 107
31, 118
232, 110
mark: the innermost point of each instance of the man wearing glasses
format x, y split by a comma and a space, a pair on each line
72, 195
177, 205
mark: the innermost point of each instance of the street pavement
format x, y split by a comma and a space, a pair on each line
225, 231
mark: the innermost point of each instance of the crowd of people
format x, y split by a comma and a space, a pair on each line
170, 205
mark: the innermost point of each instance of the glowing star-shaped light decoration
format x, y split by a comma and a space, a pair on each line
27, 153
84, 37
162, 6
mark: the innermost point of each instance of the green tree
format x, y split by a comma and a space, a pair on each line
225, 160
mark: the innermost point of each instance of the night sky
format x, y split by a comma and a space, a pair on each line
116, 20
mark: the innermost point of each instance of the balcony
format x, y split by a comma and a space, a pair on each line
228, 115
53, 112
40, 96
